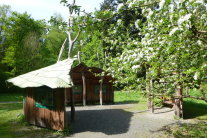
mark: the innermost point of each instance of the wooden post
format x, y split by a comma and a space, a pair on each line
101, 91
66, 123
84, 88
152, 96
179, 102
72, 105
84, 81
149, 100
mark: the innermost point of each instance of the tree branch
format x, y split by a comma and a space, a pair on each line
69, 37
77, 36
61, 51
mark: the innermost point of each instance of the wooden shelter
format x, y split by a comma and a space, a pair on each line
48, 89
91, 86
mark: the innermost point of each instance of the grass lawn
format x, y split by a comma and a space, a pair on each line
12, 124
6, 97
195, 109
131, 97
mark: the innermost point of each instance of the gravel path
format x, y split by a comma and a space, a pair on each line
10, 102
113, 122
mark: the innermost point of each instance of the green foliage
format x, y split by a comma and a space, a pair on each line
23, 40
21, 119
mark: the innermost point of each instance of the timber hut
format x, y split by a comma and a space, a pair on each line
44, 105
87, 85
48, 89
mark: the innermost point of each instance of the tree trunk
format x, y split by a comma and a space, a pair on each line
149, 100
179, 102
152, 95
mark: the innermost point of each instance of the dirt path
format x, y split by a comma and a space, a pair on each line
113, 121
9, 102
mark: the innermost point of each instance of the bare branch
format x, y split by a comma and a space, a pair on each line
61, 51
77, 36
73, 2
69, 37
98, 60
79, 57
201, 31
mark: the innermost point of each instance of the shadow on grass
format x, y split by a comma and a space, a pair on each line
108, 121
185, 130
18, 130
195, 109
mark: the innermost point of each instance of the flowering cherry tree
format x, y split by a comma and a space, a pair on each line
172, 50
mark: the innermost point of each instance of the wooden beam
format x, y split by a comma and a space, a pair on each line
84, 81
84, 88
101, 91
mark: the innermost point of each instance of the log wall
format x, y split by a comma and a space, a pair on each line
48, 118
92, 80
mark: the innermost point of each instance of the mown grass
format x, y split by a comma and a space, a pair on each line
187, 130
8, 97
8, 114
134, 97
12, 124
198, 130
196, 109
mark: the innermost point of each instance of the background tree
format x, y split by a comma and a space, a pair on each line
23, 43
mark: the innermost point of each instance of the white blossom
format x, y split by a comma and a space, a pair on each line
161, 4
184, 18
131, 4
135, 66
199, 42
199, 1
137, 23
150, 13
120, 6
203, 16
119, 21
173, 31
195, 76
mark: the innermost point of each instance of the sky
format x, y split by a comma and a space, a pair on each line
44, 9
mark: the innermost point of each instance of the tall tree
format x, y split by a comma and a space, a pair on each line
24, 43
172, 48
